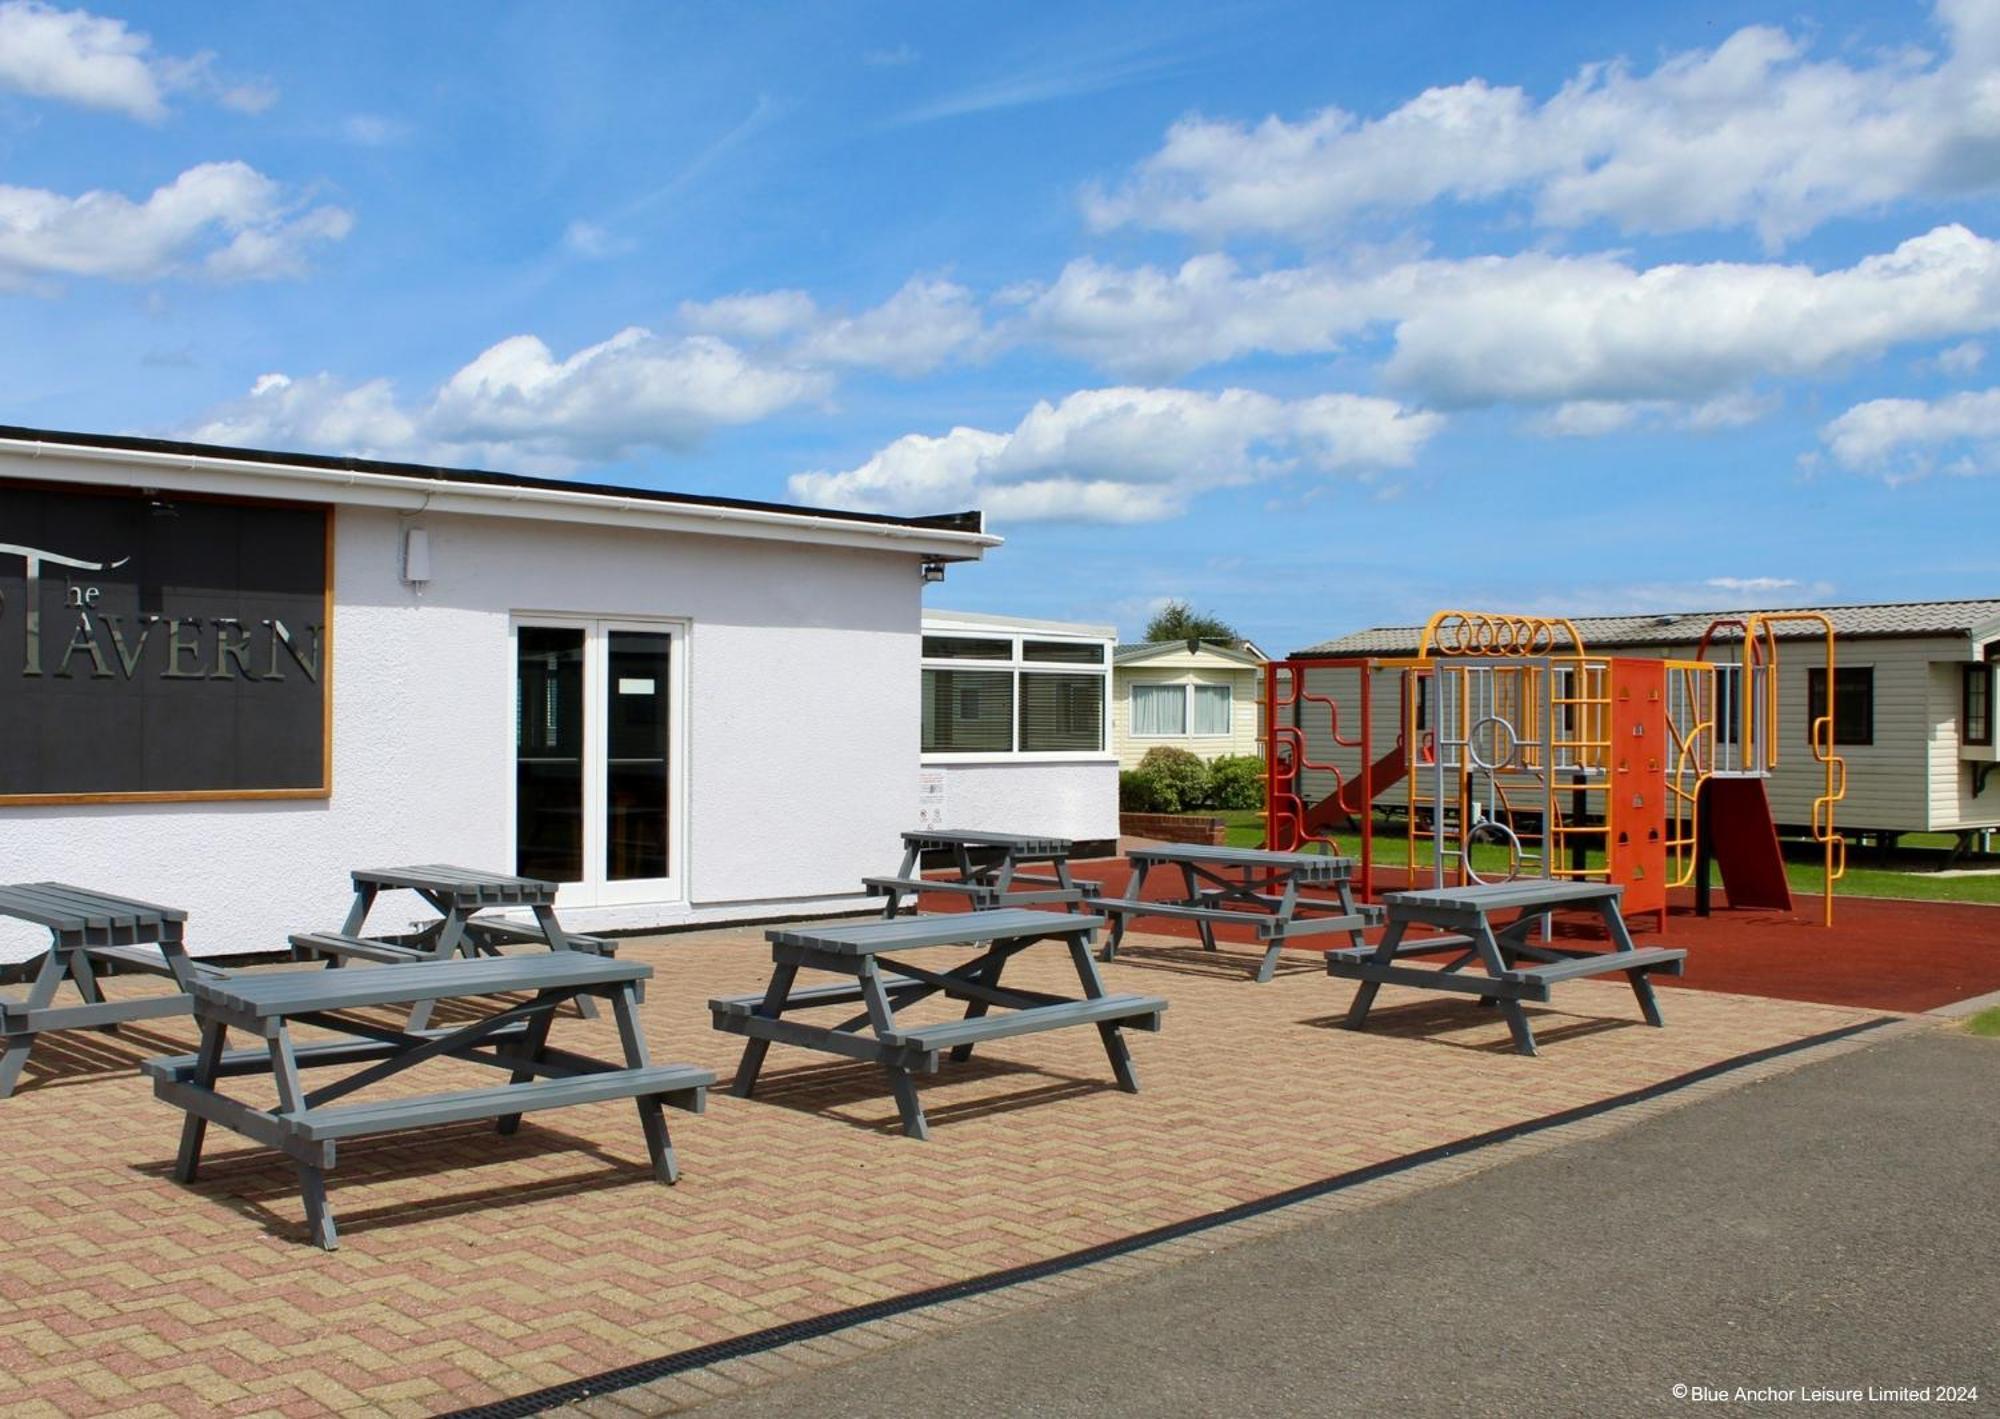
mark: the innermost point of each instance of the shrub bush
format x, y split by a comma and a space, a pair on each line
1141, 792
1236, 781
1181, 776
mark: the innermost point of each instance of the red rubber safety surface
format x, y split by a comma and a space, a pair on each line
1878, 954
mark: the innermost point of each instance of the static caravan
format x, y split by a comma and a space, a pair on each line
1198, 695
232, 677
1913, 706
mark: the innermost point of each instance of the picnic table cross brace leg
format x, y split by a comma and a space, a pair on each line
882, 1017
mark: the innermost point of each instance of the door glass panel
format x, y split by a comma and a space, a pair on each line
636, 744
548, 753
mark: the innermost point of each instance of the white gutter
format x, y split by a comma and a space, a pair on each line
250, 477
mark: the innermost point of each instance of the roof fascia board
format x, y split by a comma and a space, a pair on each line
117, 467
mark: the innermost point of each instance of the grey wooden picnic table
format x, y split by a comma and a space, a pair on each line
1465, 915
882, 986
307, 1125
1243, 886
988, 867
457, 895
88, 930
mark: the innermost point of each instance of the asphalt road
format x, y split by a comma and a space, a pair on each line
1835, 1228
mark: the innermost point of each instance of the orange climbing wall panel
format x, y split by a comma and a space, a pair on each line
1639, 783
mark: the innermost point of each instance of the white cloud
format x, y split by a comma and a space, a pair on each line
595, 243
1961, 359
1594, 418
317, 412
226, 219
1751, 133
914, 331
518, 404
373, 130
77, 57
1150, 323
1901, 440
1751, 584
1126, 454
637, 389
1532, 328
760, 316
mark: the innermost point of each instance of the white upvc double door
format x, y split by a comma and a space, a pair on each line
600, 788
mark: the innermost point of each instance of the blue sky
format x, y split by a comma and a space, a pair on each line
1316, 316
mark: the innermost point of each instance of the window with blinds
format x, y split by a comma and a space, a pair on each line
1061, 712
1012, 701
968, 711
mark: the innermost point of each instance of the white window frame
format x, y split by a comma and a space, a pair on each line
1187, 688
597, 889
1013, 666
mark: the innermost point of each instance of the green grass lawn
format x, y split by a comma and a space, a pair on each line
1985, 1023
1246, 829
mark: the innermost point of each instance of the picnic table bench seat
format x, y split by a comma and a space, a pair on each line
1141, 1012
306, 1125
338, 947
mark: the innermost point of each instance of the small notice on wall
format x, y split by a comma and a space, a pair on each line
930, 800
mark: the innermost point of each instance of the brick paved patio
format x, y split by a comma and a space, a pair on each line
474, 1267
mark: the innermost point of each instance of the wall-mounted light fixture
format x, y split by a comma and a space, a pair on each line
933, 571
416, 556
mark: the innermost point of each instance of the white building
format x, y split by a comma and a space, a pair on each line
1015, 727
232, 677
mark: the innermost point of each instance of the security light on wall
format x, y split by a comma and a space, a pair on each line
933, 571
416, 556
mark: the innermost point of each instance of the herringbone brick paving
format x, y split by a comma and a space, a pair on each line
474, 1267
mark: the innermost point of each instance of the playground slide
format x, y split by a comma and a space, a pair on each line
1342, 810
1744, 840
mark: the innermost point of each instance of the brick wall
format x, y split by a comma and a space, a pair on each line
1173, 827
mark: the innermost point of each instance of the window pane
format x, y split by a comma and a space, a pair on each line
1853, 707
1062, 712
635, 772
1159, 709
968, 711
1065, 652
1976, 722
1211, 709
967, 648
548, 753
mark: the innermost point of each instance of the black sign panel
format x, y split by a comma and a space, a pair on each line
160, 646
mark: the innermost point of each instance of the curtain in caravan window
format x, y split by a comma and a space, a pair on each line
1211, 709
1159, 709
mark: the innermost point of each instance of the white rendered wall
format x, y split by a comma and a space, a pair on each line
802, 720
1064, 799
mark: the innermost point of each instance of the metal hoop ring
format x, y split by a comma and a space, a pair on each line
1479, 760
1502, 832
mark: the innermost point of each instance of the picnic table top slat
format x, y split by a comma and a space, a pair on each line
934, 929
491, 888
1013, 842
1498, 896
61, 907
292, 992
1311, 865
